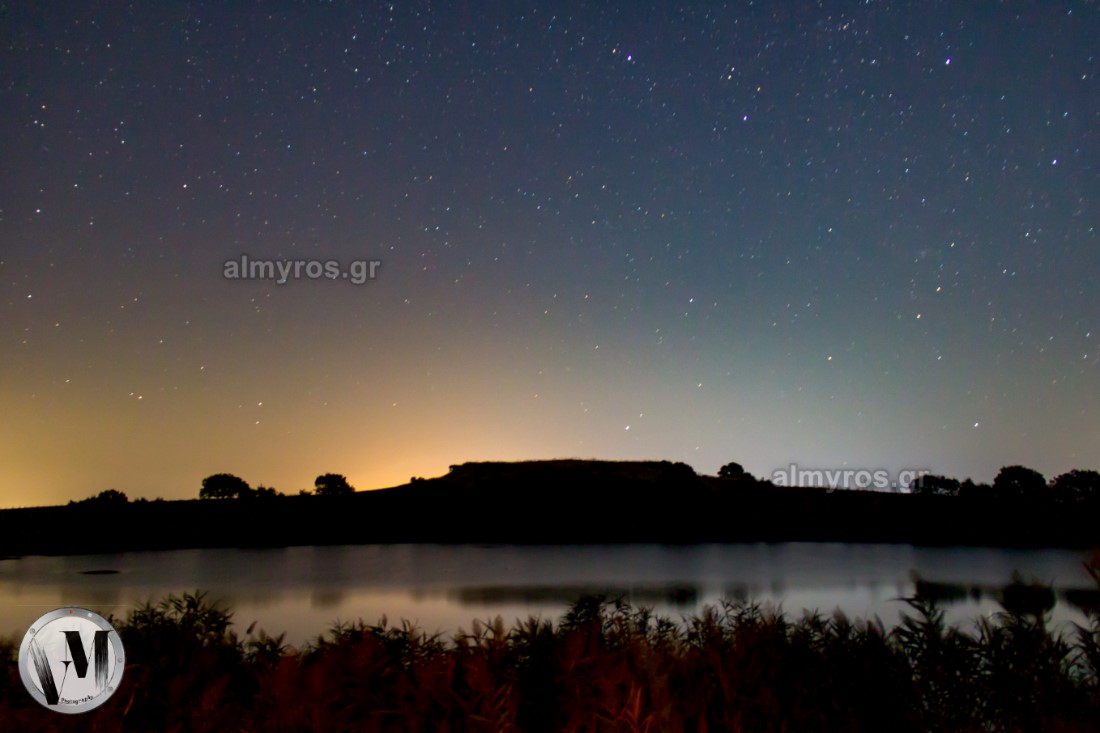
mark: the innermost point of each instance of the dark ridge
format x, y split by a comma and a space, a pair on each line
552, 502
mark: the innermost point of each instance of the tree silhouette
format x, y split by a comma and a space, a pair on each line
332, 484
1019, 482
1076, 486
224, 486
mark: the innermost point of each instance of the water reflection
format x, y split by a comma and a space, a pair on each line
675, 595
305, 590
328, 598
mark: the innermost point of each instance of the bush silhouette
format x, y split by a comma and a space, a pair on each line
931, 484
109, 497
731, 470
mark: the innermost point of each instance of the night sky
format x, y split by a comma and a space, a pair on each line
835, 234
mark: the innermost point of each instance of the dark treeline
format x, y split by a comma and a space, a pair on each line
571, 501
1015, 483
602, 667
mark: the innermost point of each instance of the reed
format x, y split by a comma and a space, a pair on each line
604, 666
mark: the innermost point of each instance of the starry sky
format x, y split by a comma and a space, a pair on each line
833, 234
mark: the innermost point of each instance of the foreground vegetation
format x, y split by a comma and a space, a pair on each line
604, 666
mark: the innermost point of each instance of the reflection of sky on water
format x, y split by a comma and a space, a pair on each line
304, 590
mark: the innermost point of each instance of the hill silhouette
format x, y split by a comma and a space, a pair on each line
549, 502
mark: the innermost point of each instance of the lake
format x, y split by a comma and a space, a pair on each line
303, 590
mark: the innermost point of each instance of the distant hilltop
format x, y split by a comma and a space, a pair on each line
565, 468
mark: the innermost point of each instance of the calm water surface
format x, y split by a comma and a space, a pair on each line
303, 590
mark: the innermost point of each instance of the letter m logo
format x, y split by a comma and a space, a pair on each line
78, 662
